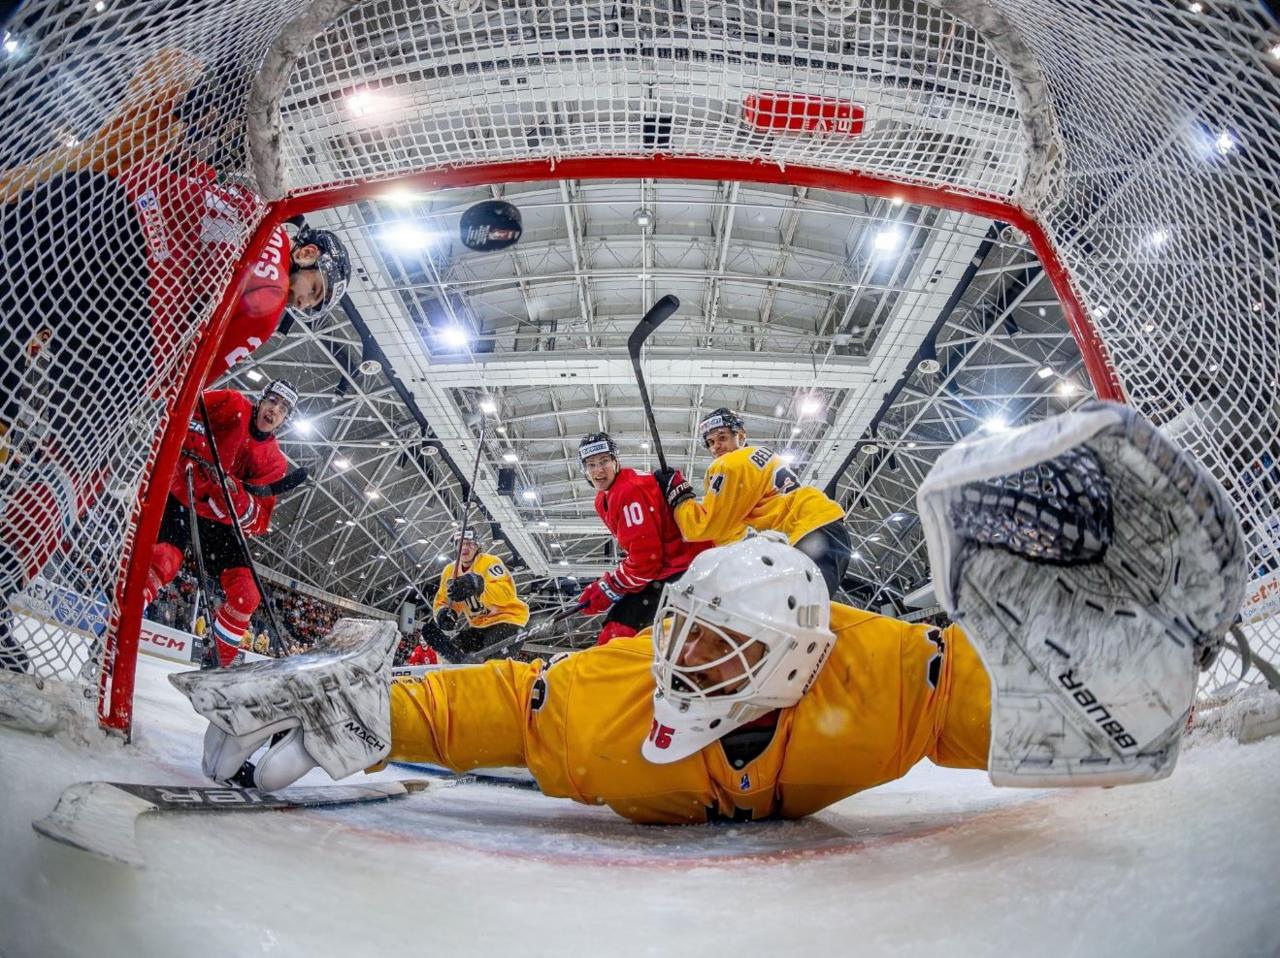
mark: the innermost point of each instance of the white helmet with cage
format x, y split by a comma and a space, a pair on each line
763, 608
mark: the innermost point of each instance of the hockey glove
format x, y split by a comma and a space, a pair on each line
448, 620
598, 597
465, 587
245, 505
675, 487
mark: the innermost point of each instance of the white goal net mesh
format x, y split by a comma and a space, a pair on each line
1140, 136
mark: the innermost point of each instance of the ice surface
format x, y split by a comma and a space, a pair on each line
939, 863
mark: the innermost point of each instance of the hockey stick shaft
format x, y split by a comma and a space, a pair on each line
521, 637
277, 637
466, 503
658, 313
202, 596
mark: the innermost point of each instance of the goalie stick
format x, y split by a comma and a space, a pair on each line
100, 817
658, 313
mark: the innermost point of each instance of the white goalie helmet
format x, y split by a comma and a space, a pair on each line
744, 631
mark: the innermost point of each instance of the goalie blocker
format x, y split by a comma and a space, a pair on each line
1095, 566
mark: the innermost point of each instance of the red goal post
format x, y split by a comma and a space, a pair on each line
1132, 143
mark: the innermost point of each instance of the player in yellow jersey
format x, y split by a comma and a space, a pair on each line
483, 595
750, 488
1094, 566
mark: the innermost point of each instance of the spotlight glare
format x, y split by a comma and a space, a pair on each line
455, 336
995, 424
887, 240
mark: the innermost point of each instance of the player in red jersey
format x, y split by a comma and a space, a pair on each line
423, 654
112, 259
244, 431
630, 503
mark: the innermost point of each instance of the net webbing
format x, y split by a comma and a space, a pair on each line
1141, 136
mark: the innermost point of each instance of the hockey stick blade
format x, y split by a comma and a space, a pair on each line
658, 314
99, 817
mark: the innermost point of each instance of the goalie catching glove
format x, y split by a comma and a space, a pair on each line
329, 708
1095, 566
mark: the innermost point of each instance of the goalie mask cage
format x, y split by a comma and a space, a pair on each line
1134, 142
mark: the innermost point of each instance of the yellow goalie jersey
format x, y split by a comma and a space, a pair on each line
498, 602
753, 488
890, 694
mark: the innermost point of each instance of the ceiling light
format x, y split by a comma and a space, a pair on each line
996, 423
341, 463
642, 218
564, 561
1040, 311
887, 240
303, 426
488, 406
1148, 327
254, 376
811, 406
857, 555
644, 444
348, 522
407, 237
384, 444
896, 200
422, 541
1275, 51
502, 429
556, 545
1196, 7
442, 558
1225, 143
911, 445
788, 457
510, 457
401, 520
1068, 387
11, 44
372, 493
870, 448
333, 562
455, 336
530, 494
99, 6
1044, 372
544, 523
873, 538
897, 517
1159, 237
